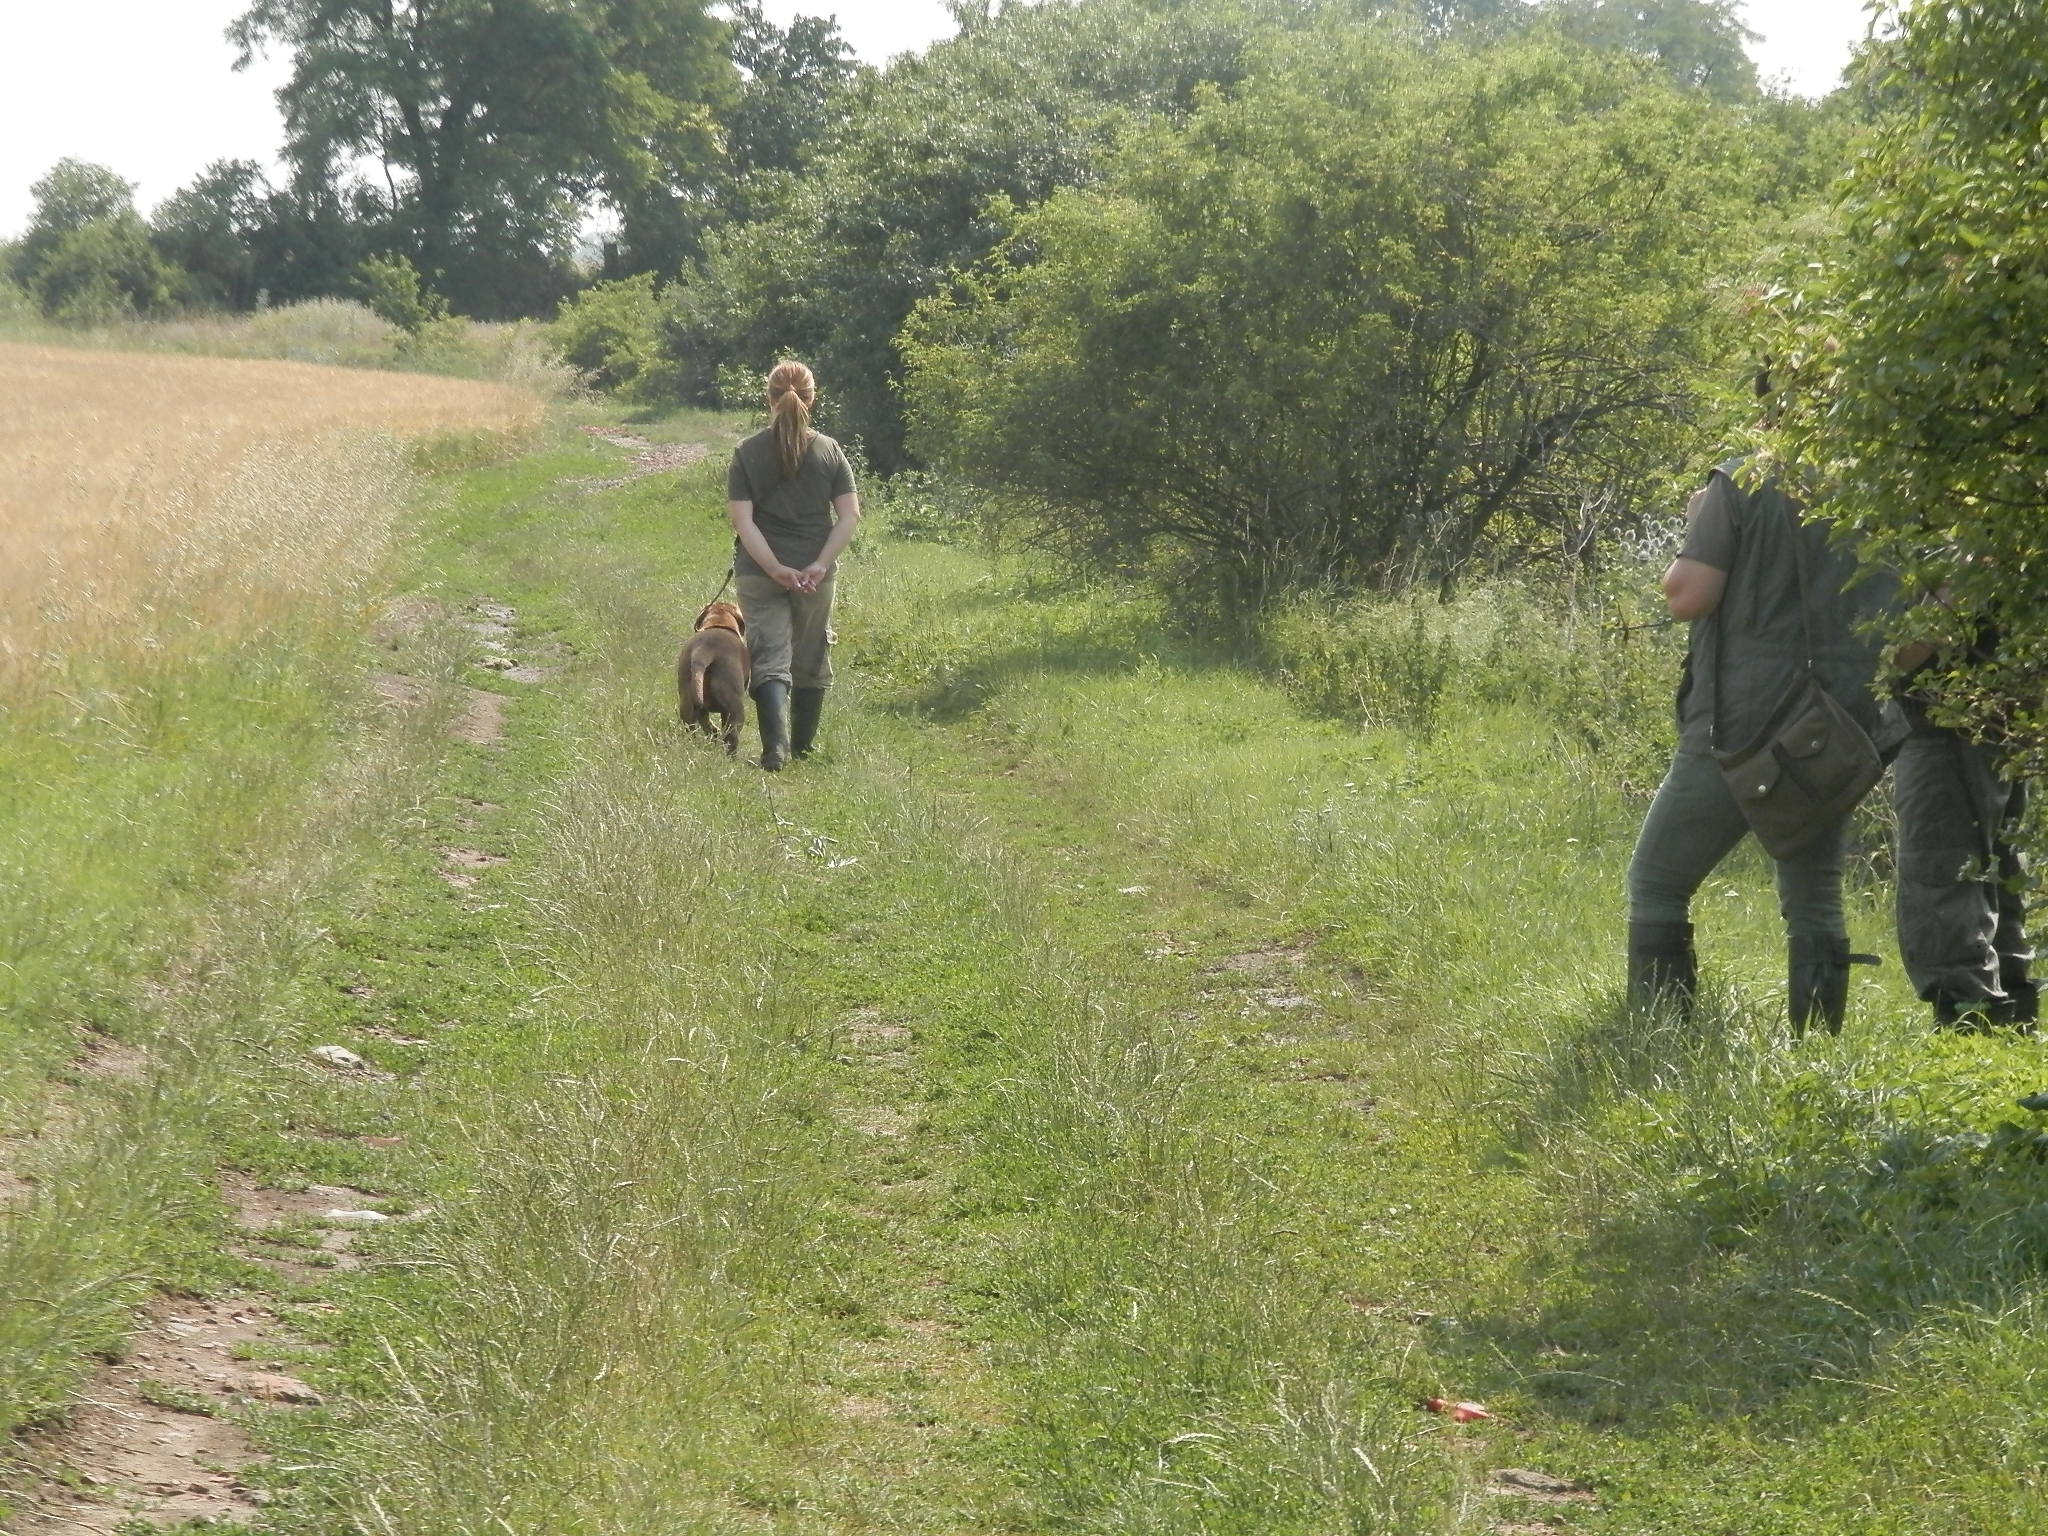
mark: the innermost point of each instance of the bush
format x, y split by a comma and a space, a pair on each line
1603, 684
612, 333
393, 289
103, 272
1382, 314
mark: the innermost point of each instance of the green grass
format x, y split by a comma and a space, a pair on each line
1098, 1096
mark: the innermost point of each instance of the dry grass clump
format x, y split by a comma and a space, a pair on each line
343, 332
146, 498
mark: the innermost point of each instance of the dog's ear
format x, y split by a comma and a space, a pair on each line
702, 614
739, 619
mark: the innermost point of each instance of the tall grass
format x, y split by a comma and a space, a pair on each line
341, 332
146, 500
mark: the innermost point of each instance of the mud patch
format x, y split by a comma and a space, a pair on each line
327, 1208
482, 720
108, 1060
649, 458
660, 458
1267, 957
861, 1410
459, 865
472, 858
394, 690
878, 1120
1539, 1487
869, 1030
151, 1440
403, 618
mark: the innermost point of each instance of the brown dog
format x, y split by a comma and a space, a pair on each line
713, 672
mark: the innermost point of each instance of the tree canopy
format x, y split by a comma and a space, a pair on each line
1382, 313
492, 122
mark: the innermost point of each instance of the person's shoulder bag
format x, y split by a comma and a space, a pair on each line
1811, 764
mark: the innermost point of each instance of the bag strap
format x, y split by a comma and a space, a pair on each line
1799, 569
1720, 618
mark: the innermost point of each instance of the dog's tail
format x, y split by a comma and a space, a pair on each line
699, 665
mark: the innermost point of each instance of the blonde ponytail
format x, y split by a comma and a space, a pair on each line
792, 391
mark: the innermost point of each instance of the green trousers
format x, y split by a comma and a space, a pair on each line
1694, 823
789, 634
1962, 926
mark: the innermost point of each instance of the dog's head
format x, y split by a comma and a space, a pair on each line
721, 616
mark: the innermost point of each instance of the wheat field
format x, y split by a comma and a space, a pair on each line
146, 499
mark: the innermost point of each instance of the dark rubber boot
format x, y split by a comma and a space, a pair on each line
805, 706
2026, 1003
2024, 992
1662, 966
771, 709
1817, 981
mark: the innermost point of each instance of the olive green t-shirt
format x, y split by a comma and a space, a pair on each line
794, 515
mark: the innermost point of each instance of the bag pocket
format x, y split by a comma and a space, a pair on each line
1805, 770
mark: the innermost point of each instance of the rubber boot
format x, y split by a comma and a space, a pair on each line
1662, 966
1966, 1015
2024, 992
771, 709
1979, 1015
805, 706
1817, 980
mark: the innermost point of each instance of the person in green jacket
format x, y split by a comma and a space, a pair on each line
794, 508
1736, 582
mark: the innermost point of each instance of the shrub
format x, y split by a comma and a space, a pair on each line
1382, 314
103, 272
612, 333
1603, 685
395, 292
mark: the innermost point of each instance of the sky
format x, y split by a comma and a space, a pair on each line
147, 86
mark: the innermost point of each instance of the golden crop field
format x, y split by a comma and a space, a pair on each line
145, 498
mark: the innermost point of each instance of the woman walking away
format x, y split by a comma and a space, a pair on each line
794, 509
1748, 554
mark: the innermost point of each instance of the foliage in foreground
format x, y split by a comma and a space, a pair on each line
1383, 315
1919, 381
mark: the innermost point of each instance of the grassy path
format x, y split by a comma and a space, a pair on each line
1091, 1099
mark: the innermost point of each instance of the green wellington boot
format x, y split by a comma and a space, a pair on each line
771, 709
1817, 981
805, 706
1661, 965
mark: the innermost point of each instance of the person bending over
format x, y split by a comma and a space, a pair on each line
1736, 581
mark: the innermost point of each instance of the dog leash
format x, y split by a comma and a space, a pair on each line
721, 590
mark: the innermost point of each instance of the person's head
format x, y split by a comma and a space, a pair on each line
791, 394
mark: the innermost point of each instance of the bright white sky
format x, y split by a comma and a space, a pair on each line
145, 86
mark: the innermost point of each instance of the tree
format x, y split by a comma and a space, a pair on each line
86, 257
1022, 102
209, 228
103, 272
793, 99
1916, 379
495, 121
71, 195
1699, 43
1382, 314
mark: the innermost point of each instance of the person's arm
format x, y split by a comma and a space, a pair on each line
1692, 587
756, 546
846, 518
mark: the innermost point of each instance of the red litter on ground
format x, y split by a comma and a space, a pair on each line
1461, 1413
